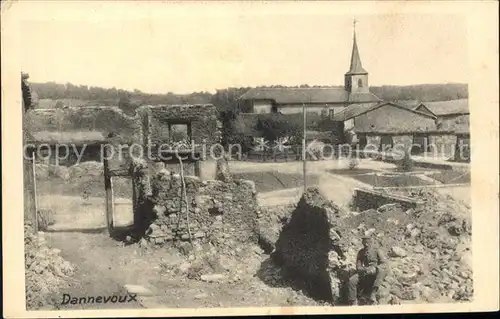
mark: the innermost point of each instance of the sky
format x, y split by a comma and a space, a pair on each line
187, 48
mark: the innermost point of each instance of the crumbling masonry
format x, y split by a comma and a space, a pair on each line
216, 210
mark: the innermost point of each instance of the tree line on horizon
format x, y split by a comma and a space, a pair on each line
225, 99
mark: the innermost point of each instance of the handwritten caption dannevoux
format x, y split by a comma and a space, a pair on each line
67, 299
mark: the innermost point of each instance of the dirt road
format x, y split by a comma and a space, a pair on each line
103, 267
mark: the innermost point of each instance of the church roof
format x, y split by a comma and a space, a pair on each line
356, 66
308, 95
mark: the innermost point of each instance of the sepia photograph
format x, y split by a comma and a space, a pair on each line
242, 156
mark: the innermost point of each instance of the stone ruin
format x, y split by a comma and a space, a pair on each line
215, 211
311, 246
427, 247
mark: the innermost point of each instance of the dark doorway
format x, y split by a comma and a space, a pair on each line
386, 143
420, 144
362, 141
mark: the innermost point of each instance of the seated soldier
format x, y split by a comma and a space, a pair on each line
370, 272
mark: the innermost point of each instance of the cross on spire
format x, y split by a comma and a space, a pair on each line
356, 67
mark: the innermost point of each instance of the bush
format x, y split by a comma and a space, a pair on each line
353, 163
276, 126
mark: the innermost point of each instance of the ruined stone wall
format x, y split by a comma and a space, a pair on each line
100, 119
127, 135
305, 245
219, 212
202, 119
367, 199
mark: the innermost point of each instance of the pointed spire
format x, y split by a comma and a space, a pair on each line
356, 66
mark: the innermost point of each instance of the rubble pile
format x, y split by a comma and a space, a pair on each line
45, 270
309, 246
428, 249
269, 224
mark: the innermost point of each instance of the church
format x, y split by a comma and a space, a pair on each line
353, 106
323, 101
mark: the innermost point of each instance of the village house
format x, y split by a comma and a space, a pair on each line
453, 114
386, 124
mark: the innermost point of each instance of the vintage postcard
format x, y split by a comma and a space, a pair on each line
237, 158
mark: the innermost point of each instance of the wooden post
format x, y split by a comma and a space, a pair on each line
197, 168
108, 185
35, 200
30, 213
304, 171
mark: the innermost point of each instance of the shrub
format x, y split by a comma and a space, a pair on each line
407, 163
353, 163
275, 126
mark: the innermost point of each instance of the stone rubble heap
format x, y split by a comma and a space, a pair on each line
428, 250
45, 270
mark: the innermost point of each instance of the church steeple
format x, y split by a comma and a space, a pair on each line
356, 79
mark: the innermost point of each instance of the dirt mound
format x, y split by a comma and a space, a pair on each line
45, 271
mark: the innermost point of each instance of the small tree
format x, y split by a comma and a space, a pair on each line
59, 105
276, 126
407, 162
353, 162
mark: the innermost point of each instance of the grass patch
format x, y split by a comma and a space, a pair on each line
351, 172
391, 181
452, 177
272, 181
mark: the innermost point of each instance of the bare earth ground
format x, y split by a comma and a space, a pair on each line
104, 266
73, 213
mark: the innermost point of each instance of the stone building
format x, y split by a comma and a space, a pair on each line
386, 124
453, 114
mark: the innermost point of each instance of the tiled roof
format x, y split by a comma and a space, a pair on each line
448, 107
411, 104
354, 110
307, 95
